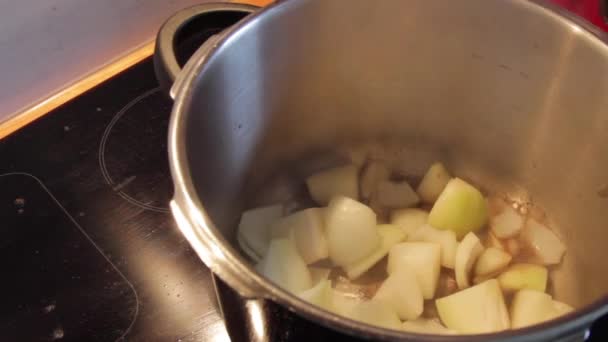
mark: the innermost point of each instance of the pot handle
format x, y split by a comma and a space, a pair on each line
206, 20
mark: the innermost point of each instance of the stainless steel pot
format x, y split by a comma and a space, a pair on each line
509, 93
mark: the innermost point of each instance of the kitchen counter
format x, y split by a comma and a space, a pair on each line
49, 61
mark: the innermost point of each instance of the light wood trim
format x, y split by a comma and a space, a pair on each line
256, 2
71, 91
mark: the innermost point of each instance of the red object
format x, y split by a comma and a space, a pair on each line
592, 10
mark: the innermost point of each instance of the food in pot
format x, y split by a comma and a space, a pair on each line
351, 231
492, 261
306, 229
469, 249
524, 276
394, 195
477, 309
339, 181
469, 265
507, 223
375, 312
285, 266
530, 307
390, 235
445, 238
320, 294
401, 292
410, 219
253, 232
460, 208
374, 173
433, 183
546, 245
424, 259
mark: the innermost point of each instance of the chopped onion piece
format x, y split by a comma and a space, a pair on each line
561, 308
491, 261
433, 183
544, 243
478, 309
374, 173
446, 238
339, 181
253, 228
319, 295
343, 303
390, 236
460, 208
469, 249
424, 258
375, 312
524, 276
350, 229
531, 307
284, 266
480, 279
493, 241
395, 195
506, 224
306, 228
401, 291
246, 249
409, 219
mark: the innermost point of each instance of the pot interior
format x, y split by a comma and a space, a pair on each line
506, 93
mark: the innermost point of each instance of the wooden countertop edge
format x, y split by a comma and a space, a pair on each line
73, 90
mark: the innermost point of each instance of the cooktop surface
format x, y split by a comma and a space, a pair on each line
89, 249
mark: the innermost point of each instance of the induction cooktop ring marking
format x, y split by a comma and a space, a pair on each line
102, 158
99, 250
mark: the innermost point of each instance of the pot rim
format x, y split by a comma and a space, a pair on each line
225, 261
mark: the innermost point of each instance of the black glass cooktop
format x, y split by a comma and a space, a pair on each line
89, 250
